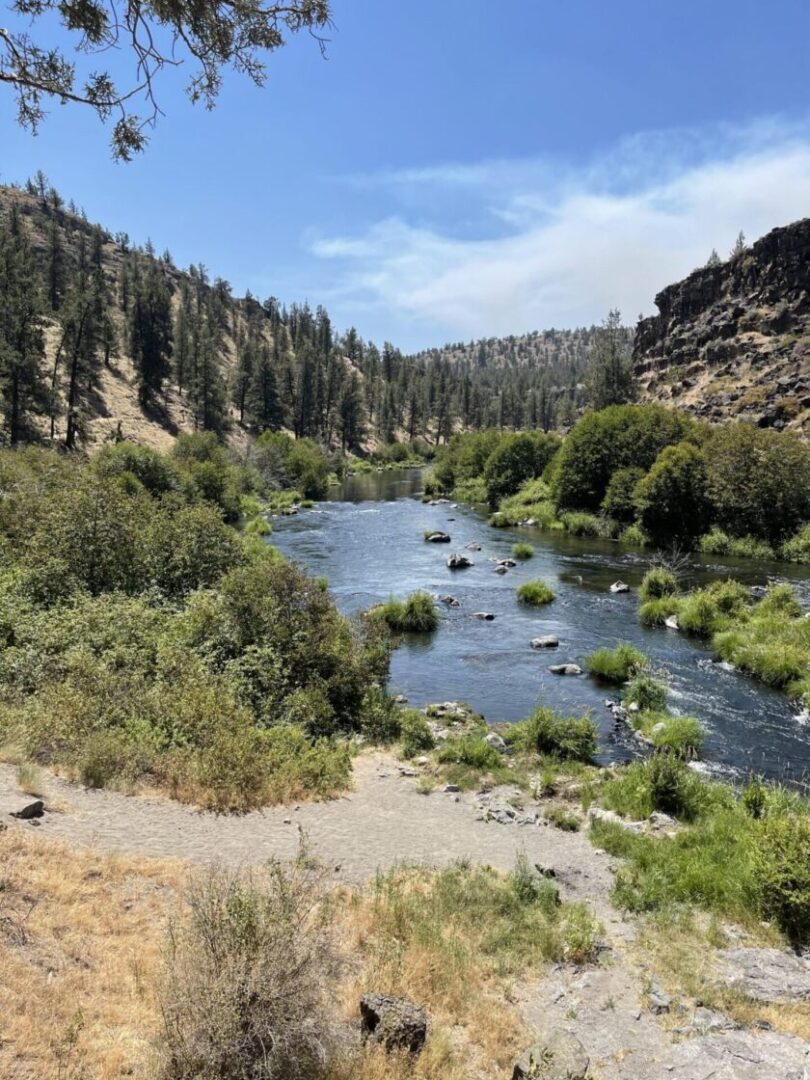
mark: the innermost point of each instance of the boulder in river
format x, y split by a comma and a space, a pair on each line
565, 669
672, 622
508, 563
619, 587
449, 601
547, 641
501, 569
458, 562
487, 616
437, 538
473, 546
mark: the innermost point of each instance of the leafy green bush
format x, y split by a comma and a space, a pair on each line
471, 750
546, 733
515, 460
522, 551
616, 665
635, 536
656, 612
578, 523
620, 497
717, 542
672, 499
535, 593
797, 548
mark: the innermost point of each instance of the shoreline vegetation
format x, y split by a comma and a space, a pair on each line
644, 475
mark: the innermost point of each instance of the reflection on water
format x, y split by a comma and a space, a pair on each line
367, 539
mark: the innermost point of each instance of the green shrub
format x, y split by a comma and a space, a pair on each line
797, 548
645, 692
616, 665
522, 551
782, 873
634, 536
620, 497
662, 783
657, 583
546, 733
755, 798
471, 750
715, 542
678, 735
673, 503
416, 614
581, 524
515, 460
562, 819
535, 593
415, 733
656, 612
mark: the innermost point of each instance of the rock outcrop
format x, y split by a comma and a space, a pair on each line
732, 341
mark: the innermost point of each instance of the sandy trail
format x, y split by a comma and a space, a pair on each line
384, 820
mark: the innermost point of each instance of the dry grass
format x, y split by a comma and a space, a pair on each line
83, 944
682, 953
80, 938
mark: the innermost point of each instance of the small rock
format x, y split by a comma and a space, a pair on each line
473, 546
400, 699
450, 789
659, 1001
495, 741
545, 871
565, 669
487, 616
619, 587
449, 601
672, 622
395, 1023
547, 641
508, 563
458, 562
437, 538
501, 569
561, 1056
32, 810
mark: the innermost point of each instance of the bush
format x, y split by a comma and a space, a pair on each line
246, 980
620, 497
471, 750
546, 733
415, 733
635, 536
645, 692
515, 460
417, 614
601, 443
678, 735
535, 593
581, 524
656, 612
522, 551
673, 505
616, 665
797, 549
662, 783
658, 582
782, 874
717, 542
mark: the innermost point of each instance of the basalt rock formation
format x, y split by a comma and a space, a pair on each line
732, 340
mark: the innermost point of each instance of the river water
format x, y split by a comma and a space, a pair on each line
367, 539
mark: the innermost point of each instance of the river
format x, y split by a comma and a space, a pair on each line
367, 540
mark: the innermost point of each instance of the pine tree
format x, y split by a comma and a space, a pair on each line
22, 343
611, 380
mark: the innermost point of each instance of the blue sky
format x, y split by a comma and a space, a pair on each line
459, 168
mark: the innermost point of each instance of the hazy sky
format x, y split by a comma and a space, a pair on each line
458, 168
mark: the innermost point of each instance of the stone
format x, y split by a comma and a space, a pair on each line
33, 810
501, 569
400, 699
565, 669
496, 742
775, 975
451, 789
508, 563
437, 538
487, 616
547, 641
736, 1055
672, 622
560, 1056
395, 1023
458, 562
619, 587
659, 1002
449, 601
472, 546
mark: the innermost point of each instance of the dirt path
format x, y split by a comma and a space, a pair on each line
382, 821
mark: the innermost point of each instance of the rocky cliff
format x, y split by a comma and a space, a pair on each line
732, 340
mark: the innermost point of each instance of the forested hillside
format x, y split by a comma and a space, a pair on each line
534, 380
101, 338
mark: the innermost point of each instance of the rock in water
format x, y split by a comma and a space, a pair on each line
33, 810
458, 562
565, 669
501, 569
395, 1023
559, 1057
437, 538
450, 601
672, 622
619, 587
487, 616
548, 641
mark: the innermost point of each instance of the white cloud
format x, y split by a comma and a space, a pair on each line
570, 244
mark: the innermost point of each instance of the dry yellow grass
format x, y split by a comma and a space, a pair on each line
80, 939
81, 949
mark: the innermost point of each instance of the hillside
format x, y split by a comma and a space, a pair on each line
732, 340
106, 339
